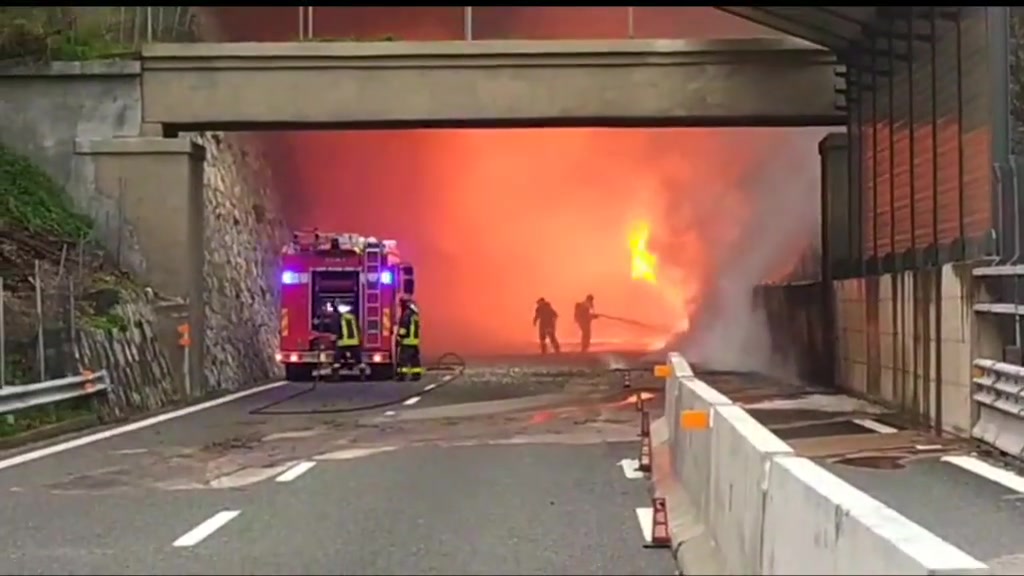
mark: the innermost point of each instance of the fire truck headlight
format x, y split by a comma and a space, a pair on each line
386, 277
289, 277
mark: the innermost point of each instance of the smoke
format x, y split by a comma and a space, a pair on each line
777, 209
495, 219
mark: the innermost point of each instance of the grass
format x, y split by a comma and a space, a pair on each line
56, 34
30, 200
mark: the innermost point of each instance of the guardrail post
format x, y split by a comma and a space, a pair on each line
40, 344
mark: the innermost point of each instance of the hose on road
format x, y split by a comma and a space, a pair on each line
447, 362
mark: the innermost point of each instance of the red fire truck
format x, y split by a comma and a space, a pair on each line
348, 272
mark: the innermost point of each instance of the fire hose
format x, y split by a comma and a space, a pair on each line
447, 362
636, 323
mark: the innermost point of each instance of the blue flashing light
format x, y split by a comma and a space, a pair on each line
288, 277
387, 277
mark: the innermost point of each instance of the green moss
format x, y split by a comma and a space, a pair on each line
31, 200
109, 321
385, 38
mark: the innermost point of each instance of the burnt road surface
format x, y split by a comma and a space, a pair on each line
512, 468
938, 482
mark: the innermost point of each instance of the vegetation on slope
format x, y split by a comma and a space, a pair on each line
37, 224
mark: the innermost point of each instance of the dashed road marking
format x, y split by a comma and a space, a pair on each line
295, 471
876, 426
429, 387
411, 401
631, 468
646, 518
989, 472
209, 526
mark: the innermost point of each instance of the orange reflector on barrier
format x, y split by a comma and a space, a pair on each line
694, 420
662, 371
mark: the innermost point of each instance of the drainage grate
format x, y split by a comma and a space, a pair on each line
888, 462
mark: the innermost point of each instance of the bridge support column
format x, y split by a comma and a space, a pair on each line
155, 186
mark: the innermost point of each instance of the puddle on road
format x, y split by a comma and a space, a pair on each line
879, 462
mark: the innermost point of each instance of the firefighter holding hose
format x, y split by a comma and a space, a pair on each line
408, 341
585, 316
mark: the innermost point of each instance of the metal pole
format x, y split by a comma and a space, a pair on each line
149, 24
302, 23
629, 16
467, 22
3, 338
40, 346
309, 22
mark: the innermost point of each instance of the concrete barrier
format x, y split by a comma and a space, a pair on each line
691, 449
741, 454
760, 509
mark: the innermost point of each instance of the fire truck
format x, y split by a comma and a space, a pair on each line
325, 272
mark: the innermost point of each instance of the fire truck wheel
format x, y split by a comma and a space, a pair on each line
298, 372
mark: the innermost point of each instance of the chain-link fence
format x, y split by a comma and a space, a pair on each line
83, 33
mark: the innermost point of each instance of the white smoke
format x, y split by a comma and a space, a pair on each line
784, 191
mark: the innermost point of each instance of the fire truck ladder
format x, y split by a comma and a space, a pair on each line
371, 303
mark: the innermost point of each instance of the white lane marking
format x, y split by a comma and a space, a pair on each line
429, 387
390, 413
411, 401
631, 468
132, 427
295, 471
209, 526
646, 518
876, 426
987, 471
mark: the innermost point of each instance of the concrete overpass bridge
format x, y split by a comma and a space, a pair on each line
333, 85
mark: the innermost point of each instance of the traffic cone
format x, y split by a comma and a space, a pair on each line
645, 454
645, 423
660, 537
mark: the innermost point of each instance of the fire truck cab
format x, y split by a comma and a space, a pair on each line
325, 273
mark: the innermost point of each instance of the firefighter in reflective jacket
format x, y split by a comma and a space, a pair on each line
408, 341
349, 351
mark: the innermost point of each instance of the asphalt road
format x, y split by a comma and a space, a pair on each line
971, 512
223, 491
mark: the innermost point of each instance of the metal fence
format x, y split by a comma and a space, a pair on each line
38, 322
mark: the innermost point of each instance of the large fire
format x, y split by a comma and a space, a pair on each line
643, 264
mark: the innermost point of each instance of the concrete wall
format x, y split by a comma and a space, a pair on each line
135, 189
640, 82
908, 339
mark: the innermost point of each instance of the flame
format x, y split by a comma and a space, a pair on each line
644, 264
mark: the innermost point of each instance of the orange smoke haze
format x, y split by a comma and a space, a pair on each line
494, 219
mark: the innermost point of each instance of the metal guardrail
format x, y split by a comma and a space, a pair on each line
17, 398
998, 397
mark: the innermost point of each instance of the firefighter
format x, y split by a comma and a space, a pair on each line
349, 346
408, 341
544, 319
584, 316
